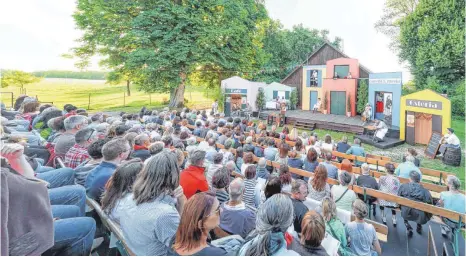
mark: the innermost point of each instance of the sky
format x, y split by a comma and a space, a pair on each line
35, 33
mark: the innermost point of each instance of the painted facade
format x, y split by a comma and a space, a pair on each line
243, 88
385, 93
313, 79
424, 102
341, 88
275, 89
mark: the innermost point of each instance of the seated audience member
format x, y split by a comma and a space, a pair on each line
312, 235
200, 216
262, 171
220, 183
130, 137
361, 235
214, 167
282, 155
192, 179
274, 217
346, 165
168, 142
453, 200
151, 214
58, 128
233, 170
318, 186
449, 140
416, 192
252, 193
304, 138
78, 153
156, 148
365, 180
332, 170
334, 226
357, 150
327, 145
299, 147
248, 147
404, 169
114, 152
310, 162
140, 149
211, 150
191, 142
45, 235
389, 184
42, 124
72, 125
412, 152
342, 195
95, 152
343, 146
299, 193
120, 186
227, 154
236, 217
271, 151
285, 178
96, 119
248, 160
295, 161
272, 187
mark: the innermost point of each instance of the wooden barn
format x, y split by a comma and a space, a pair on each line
320, 56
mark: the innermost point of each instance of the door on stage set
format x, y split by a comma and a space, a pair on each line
338, 102
313, 99
422, 127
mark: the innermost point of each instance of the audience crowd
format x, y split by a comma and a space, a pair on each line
172, 194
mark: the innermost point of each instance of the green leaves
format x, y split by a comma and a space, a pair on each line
17, 78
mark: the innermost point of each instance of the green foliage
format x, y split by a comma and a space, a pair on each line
294, 98
432, 41
363, 96
260, 99
96, 75
158, 44
457, 97
17, 78
348, 104
408, 88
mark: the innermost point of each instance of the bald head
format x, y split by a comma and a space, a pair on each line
236, 189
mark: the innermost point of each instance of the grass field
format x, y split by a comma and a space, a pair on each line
103, 97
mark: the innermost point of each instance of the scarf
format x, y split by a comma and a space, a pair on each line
139, 147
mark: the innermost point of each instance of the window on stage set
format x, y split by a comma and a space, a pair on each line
314, 78
287, 95
342, 70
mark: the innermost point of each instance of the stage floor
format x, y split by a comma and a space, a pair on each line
385, 144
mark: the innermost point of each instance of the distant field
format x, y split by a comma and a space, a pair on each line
104, 97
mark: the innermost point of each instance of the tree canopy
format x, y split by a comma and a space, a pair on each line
17, 78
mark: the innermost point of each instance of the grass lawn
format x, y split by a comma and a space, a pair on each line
103, 97
397, 153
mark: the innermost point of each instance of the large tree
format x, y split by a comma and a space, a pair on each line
158, 44
432, 41
17, 78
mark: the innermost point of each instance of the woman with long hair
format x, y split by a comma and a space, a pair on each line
327, 145
274, 217
251, 194
318, 187
334, 226
312, 235
282, 155
293, 135
119, 186
201, 215
285, 178
299, 147
310, 162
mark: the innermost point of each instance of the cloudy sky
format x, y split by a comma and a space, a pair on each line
35, 33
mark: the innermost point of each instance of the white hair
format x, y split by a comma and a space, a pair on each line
236, 189
365, 169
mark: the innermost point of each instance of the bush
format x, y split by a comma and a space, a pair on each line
260, 99
294, 98
363, 96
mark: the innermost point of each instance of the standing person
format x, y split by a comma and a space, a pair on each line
273, 219
282, 113
313, 233
215, 107
389, 184
362, 236
192, 179
453, 200
316, 107
299, 193
153, 214
416, 192
449, 140
200, 216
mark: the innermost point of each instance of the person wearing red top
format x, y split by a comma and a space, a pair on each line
78, 153
192, 179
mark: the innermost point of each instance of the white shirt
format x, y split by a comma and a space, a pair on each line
452, 139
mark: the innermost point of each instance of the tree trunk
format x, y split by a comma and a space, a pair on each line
127, 88
177, 94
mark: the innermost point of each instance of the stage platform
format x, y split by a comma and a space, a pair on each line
309, 120
388, 142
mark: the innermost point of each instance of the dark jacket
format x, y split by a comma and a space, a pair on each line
141, 153
307, 250
415, 192
295, 163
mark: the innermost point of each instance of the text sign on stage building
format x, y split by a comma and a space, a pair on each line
385, 81
236, 91
424, 104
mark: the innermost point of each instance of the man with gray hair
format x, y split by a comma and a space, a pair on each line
73, 124
213, 167
211, 150
416, 192
78, 152
404, 169
261, 170
299, 192
357, 150
141, 144
365, 180
236, 217
192, 179
332, 170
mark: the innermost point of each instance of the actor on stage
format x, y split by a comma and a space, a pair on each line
449, 140
215, 107
317, 106
367, 114
381, 131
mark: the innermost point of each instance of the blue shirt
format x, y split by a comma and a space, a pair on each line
258, 151
97, 178
454, 202
270, 152
358, 151
405, 168
310, 166
332, 171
